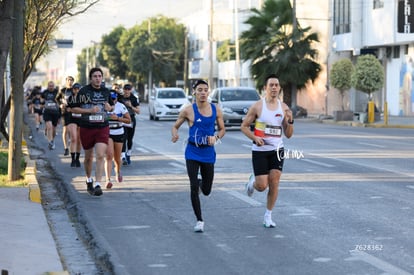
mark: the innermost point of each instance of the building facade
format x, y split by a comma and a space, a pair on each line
384, 28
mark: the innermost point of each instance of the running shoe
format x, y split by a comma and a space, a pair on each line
119, 178
73, 163
109, 185
50, 146
128, 159
97, 191
268, 223
199, 227
249, 186
89, 188
124, 161
66, 152
77, 163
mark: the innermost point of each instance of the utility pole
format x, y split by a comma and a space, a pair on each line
151, 63
236, 30
294, 27
210, 75
185, 76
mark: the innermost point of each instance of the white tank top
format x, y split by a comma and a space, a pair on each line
269, 127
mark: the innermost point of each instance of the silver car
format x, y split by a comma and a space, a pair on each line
165, 103
234, 102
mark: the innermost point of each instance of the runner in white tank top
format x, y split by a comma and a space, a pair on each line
272, 119
269, 127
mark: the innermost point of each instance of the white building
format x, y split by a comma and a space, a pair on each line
386, 29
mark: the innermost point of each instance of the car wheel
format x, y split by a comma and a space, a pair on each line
156, 118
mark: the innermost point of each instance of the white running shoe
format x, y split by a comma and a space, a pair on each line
249, 186
268, 223
199, 227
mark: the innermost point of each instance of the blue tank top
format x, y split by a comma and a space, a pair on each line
197, 146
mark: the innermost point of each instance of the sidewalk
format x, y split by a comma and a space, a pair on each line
26, 243
393, 122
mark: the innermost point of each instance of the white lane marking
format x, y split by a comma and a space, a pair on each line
247, 145
318, 163
157, 265
376, 262
226, 248
131, 227
242, 197
393, 171
410, 186
322, 260
177, 165
142, 149
302, 211
370, 144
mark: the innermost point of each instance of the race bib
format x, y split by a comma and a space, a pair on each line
275, 131
97, 118
261, 129
51, 106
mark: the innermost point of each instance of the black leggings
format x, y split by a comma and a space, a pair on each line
129, 136
207, 175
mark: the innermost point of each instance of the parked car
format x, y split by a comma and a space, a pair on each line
299, 111
234, 102
165, 103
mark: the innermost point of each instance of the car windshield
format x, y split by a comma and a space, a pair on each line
239, 95
171, 94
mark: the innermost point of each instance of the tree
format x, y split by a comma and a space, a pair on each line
40, 20
368, 76
340, 77
110, 56
16, 113
275, 46
156, 46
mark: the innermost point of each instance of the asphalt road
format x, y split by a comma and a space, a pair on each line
345, 206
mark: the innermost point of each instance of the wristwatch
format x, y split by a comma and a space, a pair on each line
292, 121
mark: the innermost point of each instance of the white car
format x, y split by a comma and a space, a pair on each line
165, 103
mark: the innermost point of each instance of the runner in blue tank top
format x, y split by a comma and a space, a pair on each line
200, 154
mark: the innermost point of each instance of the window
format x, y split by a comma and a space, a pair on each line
342, 16
396, 52
378, 4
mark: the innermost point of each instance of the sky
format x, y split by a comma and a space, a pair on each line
107, 14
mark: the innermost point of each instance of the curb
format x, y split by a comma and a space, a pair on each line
370, 125
30, 176
34, 190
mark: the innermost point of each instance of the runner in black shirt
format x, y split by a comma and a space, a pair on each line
92, 102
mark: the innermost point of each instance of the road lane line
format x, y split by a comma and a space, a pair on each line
318, 163
241, 196
376, 262
372, 145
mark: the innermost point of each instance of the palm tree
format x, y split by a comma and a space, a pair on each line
275, 46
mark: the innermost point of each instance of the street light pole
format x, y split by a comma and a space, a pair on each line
210, 75
236, 30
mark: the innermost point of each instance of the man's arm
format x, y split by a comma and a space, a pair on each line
220, 123
287, 121
182, 117
251, 116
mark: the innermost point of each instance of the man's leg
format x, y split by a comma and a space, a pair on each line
88, 162
274, 179
100, 149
